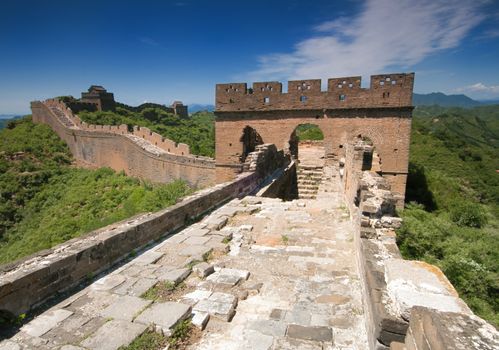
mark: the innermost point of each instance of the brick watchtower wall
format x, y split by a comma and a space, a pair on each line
344, 112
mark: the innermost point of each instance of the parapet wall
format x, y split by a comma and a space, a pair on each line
30, 282
387, 90
140, 153
406, 302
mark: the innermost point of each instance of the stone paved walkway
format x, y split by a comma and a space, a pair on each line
259, 273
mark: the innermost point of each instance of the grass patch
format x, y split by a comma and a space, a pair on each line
166, 291
149, 340
180, 335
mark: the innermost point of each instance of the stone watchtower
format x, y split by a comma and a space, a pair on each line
180, 109
99, 96
344, 112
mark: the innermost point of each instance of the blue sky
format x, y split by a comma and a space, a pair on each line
160, 51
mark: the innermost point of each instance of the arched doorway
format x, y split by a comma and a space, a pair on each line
249, 140
306, 147
305, 134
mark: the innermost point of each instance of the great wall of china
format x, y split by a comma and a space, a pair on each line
140, 153
318, 272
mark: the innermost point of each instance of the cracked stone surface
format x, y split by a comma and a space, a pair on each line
283, 275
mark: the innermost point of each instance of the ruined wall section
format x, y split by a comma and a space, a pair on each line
140, 153
399, 293
387, 90
389, 130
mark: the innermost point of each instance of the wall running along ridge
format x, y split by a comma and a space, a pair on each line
382, 113
140, 153
29, 282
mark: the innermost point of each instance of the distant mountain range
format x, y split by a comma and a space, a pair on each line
8, 116
193, 108
441, 99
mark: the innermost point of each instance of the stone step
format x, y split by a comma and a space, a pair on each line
310, 167
308, 182
310, 177
310, 171
308, 187
306, 196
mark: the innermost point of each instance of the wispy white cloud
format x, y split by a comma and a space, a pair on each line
489, 34
385, 34
480, 90
148, 41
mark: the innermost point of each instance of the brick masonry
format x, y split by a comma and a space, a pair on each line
140, 153
29, 282
382, 113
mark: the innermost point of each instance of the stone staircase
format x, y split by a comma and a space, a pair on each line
310, 169
309, 179
62, 117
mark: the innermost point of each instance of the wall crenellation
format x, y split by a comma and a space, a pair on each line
145, 133
140, 152
386, 90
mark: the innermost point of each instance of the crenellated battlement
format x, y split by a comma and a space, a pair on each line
139, 152
385, 90
72, 120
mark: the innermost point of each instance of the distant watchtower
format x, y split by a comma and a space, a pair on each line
180, 109
99, 96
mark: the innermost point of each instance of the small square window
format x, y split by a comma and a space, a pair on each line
381, 83
394, 82
303, 98
342, 97
340, 86
266, 100
350, 85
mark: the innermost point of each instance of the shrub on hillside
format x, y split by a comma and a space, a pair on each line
468, 214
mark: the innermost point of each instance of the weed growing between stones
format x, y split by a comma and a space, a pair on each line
166, 291
149, 340
285, 239
226, 240
183, 335
193, 263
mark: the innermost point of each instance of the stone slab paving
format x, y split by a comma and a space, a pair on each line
286, 280
303, 286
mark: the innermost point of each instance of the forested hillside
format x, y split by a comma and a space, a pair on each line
452, 217
45, 201
198, 131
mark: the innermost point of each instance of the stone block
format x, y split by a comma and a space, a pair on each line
203, 269
200, 319
367, 232
195, 250
216, 223
165, 315
433, 329
45, 322
315, 333
175, 276
269, 327
415, 283
147, 258
197, 240
125, 308
219, 305
114, 334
